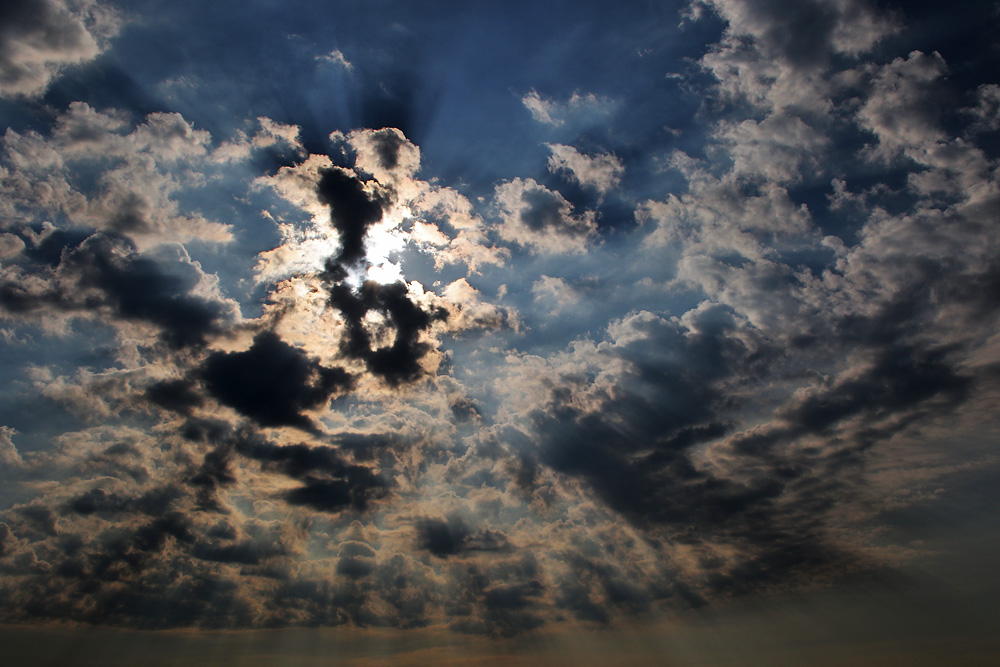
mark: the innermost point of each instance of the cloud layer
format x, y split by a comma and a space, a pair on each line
289, 376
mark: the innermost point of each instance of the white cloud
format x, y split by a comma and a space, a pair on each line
987, 110
779, 148
336, 57
541, 110
601, 172
576, 107
902, 108
554, 292
11, 246
141, 171
541, 219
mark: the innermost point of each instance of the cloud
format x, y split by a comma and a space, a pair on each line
9, 455
399, 361
336, 57
11, 246
40, 38
774, 54
901, 110
541, 110
140, 171
987, 111
321, 406
353, 210
779, 149
387, 155
271, 383
541, 219
601, 172
577, 107
556, 291
102, 274
452, 536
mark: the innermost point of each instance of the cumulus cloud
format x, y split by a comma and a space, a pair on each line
555, 291
601, 172
142, 169
9, 455
40, 38
541, 219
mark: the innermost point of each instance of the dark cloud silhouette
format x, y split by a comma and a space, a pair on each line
155, 502
330, 482
442, 538
502, 600
272, 382
124, 556
216, 470
357, 560
353, 210
452, 536
396, 363
247, 552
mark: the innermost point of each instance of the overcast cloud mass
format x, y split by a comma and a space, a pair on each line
478, 329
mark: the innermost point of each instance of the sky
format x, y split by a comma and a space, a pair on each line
521, 333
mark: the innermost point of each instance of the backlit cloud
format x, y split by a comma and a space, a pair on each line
712, 324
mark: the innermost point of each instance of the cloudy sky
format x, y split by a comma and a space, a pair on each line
499, 332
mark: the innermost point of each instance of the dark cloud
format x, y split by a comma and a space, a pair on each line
638, 454
452, 536
396, 363
216, 470
272, 382
155, 502
353, 210
98, 500
123, 556
545, 210
36, 38
247, 552
442, 538
330, 482
176, 395
503, 600
138, 288
387, 144
357, 560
